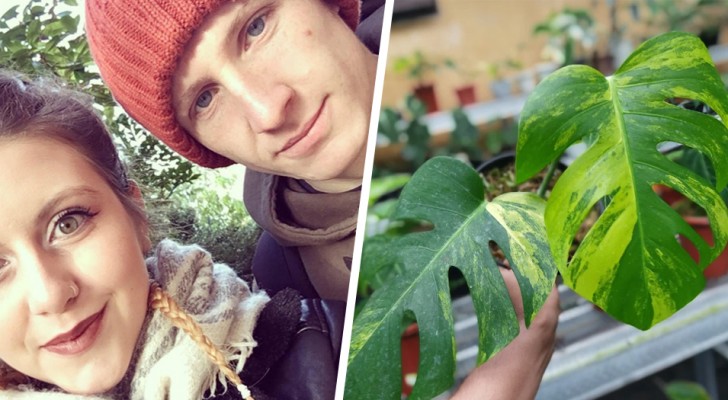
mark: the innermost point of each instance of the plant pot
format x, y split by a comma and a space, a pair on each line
668, 194
410, 357
501, 88
426, 94
466, 95
526, 83
719, 266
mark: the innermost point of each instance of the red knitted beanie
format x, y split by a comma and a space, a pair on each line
136, 45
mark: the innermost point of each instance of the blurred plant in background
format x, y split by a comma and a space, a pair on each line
570, 33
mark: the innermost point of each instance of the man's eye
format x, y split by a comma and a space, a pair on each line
256, 26
204, 99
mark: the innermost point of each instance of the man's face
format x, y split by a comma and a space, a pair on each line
280, 86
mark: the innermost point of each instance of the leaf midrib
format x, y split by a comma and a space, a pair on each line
619, 116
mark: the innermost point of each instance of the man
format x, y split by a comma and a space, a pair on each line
283, 87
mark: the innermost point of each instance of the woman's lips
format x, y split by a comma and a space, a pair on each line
78, 339
308, 129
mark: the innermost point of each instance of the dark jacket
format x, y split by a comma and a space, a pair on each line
297, 353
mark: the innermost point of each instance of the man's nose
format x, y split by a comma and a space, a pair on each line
264, 101
49, 284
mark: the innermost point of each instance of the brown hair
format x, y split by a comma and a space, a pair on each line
46, 108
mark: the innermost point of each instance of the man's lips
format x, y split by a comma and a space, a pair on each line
304, 130
75, 332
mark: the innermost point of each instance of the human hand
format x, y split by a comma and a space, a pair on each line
515, 372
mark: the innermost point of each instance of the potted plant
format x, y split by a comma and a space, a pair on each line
417, 67
629, 263
409, 132
499, 86
465, 92
464, 139
568, 32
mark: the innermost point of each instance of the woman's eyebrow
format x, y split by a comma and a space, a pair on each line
50, 206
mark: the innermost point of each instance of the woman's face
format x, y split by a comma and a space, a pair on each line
73, 282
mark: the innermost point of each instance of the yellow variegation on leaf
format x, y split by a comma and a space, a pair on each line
630, 264
450, 195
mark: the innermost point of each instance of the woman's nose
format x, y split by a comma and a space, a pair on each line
49, 283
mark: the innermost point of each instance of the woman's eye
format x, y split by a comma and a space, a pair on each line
204, 99
256, 26
69, 222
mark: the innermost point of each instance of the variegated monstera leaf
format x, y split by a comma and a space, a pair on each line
450, 195
630, 263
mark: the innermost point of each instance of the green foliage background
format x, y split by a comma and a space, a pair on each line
45, 38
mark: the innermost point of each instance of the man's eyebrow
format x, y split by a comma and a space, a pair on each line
182, 102
50, 207
232, 34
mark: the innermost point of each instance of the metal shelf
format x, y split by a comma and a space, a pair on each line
615, 357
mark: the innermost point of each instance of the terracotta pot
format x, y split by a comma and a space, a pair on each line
426, 94
466, 95
410, 357
719, 266
670, 195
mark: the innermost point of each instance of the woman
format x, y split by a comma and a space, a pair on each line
85, 313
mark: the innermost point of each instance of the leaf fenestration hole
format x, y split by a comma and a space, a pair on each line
694, 161
587, 224
690, 104
457, 282
498, 255
690, 248
410, 351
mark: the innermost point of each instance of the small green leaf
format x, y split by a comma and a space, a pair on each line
388, 120
9, 14
70, 23
684, 390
